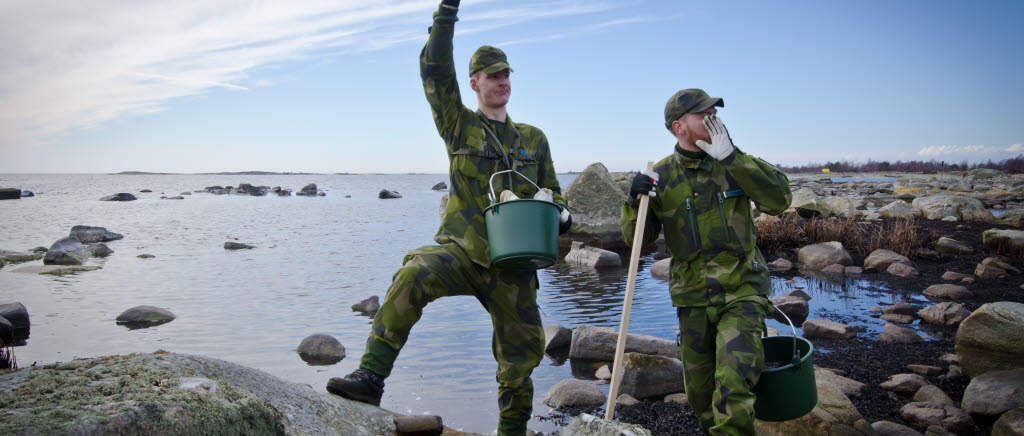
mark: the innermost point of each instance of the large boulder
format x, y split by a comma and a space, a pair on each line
995, 392
16, 314
645, 376
598, 343
809, 205
834, 414
937, 207
897, 209
574, 392
593, 257
818, 256
66, 251
167, 393
881, 258
596, 204
990, 339
590, 425
1010, 242
89, 234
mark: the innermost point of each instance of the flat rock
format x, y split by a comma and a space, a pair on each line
900, 308
898, 319
953, 276
121, 196
904, 384
849, 386
821, 328
945, 313
780, 265
951, 246
947, 291
926, 414
881, 258
574, 392
897, 209
581, 255
11, 257
987, 272
237, 246
598, 343
899, 335
799, 294
932, 393
145, 314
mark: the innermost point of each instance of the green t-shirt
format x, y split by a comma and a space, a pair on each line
499, 129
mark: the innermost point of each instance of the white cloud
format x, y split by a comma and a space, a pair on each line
69, 65
1015, 148
943, 150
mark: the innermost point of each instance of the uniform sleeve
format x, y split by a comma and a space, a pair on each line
763, 183
437, 69
630, 213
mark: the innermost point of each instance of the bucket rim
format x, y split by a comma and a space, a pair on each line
803, 359
523, 200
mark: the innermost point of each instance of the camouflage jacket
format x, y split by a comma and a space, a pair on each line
704, 207
474, 151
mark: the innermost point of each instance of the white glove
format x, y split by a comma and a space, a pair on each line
564, 216
721, 144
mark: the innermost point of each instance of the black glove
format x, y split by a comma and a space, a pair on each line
642, 184
452, 3
563, 226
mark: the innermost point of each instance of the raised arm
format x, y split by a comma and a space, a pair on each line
437, 69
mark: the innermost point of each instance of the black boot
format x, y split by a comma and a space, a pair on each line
361, 385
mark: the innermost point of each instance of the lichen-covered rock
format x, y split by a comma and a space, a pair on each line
589, 425
897, 209
937, 207
809, 205
1010, 423
596, 204
12, 257
990, 338
1009, 242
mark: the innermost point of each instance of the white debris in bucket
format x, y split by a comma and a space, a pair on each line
507, 195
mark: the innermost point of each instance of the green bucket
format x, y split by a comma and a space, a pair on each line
786, 389
522, 234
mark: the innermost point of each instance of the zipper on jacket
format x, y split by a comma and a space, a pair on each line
693, 224
725, 224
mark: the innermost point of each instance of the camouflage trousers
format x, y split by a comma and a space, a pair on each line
432, 272
722, 360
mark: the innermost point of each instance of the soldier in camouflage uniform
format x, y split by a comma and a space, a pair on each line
701, 196
479, 143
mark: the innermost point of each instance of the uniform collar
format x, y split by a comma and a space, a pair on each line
509, 125
691, 159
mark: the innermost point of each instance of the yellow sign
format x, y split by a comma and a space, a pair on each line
824, 170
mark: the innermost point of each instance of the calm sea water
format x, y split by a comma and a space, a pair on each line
314, 258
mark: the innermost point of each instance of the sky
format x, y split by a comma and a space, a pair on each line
333, 86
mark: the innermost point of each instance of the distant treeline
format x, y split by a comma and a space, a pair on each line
1012, 165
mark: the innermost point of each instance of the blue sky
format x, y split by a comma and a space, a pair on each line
333, 86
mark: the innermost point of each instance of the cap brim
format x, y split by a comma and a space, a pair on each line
495, 67
707, 103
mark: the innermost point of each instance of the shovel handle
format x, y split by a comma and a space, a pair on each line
627, 305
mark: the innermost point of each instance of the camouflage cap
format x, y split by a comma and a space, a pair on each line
489, 59
687, 101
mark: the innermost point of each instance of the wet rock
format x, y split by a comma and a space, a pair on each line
899, 335
581, 255
589, 425
953, 276
11, 257
818, 256
833, 415
1009, 242
66, 251
853, 270
898, 319
100, 249
122, 196
596, 202
307, 191
321, 349
369, 306
952, 247
798, 294
926, 414
897, 209
932, 393
780, 265
145, 314
1010, 423
10, 193
176, 197
946, 313
900, 308
440, 186
902, 270
419, 425
888, 428
795, 308
556, 337
820, 328
991, 337
947, 291
993, 393
574, 392
385, 194
626, 400
881, 258
904, 384
16, 314
145, 256
849, 386
660, 269
646, 376
6, 330
236, 246
598, 343
835, 269
989, 272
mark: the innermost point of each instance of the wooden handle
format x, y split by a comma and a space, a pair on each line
627, 305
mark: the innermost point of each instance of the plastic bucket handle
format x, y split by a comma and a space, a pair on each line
796, 354
490, 183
